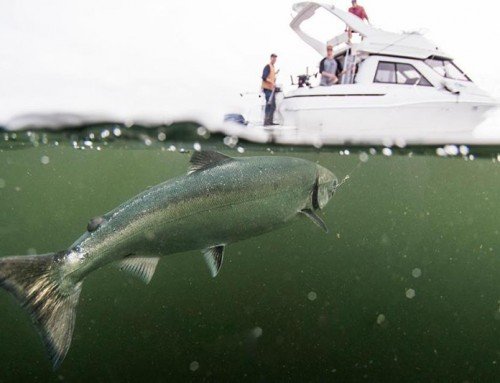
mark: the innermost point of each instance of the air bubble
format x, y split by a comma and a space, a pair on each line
451, 150
230, 141
440, 152
193, 366
410, 293
416, 273
257, 332
380, 319
45, 160
363, 157
312, 296
464, 150
201, 131
387, 152
105, 133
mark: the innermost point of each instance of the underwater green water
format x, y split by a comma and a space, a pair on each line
404, 287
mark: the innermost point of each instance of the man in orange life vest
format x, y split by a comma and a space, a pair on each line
269, 89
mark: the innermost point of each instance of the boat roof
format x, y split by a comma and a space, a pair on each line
375, 41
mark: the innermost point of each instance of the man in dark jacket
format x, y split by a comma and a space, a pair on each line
330, 68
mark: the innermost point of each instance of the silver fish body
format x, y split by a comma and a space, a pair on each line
222, 200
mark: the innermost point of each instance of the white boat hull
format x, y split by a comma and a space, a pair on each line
416, 118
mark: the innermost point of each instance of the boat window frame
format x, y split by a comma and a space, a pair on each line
395, 63
450, 61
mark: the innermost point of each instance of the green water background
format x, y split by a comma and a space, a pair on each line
295, 304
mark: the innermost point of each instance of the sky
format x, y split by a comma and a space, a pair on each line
168, 59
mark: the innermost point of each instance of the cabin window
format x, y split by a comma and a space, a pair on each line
399, 73
386, 73
447, 68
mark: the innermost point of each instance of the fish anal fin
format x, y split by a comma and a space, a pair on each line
214, 257
206, 159
313, 217
141, 267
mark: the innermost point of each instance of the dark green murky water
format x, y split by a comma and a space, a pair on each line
405, 287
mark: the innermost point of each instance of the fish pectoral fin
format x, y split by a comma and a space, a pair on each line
141, 267
213, 257
206, 159
313, 217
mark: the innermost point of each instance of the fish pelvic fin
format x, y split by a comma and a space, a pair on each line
314, 217
141, 267
214, 257
36, 284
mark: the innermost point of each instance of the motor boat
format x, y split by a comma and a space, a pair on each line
395, 85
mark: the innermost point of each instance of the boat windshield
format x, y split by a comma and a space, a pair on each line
447, 68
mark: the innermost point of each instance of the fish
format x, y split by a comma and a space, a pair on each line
221, 200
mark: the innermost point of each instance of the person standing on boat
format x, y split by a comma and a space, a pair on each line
269, 89
329, 68
359, 11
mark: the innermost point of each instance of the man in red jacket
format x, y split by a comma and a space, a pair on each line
359, 11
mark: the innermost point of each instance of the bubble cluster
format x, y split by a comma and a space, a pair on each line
452, 151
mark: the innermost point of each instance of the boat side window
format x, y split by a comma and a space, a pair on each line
386, 73
447, 69
399, 73
408, 75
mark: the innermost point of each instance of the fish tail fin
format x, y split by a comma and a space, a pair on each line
35, 282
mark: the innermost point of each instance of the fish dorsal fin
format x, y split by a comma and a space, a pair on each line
313, 217
206, 159
141, 267
213, 257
